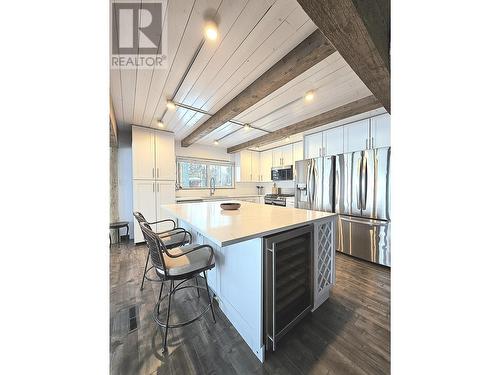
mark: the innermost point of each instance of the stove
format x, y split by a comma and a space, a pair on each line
277, 199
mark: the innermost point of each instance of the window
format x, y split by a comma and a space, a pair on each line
196, 173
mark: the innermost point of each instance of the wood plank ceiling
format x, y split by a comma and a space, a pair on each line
253, 36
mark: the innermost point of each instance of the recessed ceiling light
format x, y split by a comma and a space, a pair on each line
171, 105
287, 139
247, 127
160, 124
211, 32
309, 96
216, 142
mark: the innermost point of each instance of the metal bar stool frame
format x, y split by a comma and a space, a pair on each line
156, 249
176, 230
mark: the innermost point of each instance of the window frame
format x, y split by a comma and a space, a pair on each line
207, 163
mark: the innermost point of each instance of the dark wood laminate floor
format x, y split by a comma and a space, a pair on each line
348, 334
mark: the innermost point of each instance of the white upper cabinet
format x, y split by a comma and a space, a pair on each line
255, 166
276, 157
153, 154
243, 163
333, 141
298, 151
313, 145
381, 131
247, 166
283, 156
266, 163
356, 136
286, 155
165, 156
143, 153
360, 135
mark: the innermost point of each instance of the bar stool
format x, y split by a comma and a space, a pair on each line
180, 263
171, 238
116, 226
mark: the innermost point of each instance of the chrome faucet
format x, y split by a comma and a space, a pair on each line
212, 186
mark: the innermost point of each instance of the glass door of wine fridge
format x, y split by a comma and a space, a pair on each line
288, 283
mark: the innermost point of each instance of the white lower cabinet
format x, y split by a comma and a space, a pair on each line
165, 194
198, 238
253, 200
145, 203
149, 195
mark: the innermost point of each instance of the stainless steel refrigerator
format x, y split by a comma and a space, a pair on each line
356, 186
314, 183
362, 200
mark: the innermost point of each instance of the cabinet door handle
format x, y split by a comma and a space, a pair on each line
153, 173
157, 172
366, 143
373, 142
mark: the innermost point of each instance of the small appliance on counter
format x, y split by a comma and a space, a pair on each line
275, 189
260, 190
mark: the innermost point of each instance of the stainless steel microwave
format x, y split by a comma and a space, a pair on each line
282, 173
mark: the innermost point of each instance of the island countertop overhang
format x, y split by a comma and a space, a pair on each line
252, 220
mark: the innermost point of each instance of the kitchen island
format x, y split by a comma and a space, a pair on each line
246, 242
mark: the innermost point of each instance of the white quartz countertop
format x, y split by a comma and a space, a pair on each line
252, 220
215, 197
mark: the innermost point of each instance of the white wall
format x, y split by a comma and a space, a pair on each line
203, 151
125, 198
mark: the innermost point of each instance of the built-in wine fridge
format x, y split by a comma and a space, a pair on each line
288, 283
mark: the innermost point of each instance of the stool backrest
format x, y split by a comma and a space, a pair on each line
141, 219
155, 247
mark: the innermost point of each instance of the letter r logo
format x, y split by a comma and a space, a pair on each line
136, 28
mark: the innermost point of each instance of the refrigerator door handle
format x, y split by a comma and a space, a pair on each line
308, 183
358, 186
364, 179
313, 189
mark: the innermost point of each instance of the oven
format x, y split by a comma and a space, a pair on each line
275, 201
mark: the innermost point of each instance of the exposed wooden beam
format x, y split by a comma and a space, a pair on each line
360, 30
351, 109
113, 129
308, 53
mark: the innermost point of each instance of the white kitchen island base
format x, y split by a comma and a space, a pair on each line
238, 277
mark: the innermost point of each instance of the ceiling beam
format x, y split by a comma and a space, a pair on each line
351, 109
360, 30
308, 53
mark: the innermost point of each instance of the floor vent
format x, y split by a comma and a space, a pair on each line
132, 318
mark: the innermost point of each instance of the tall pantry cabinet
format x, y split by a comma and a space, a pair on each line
153, 173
